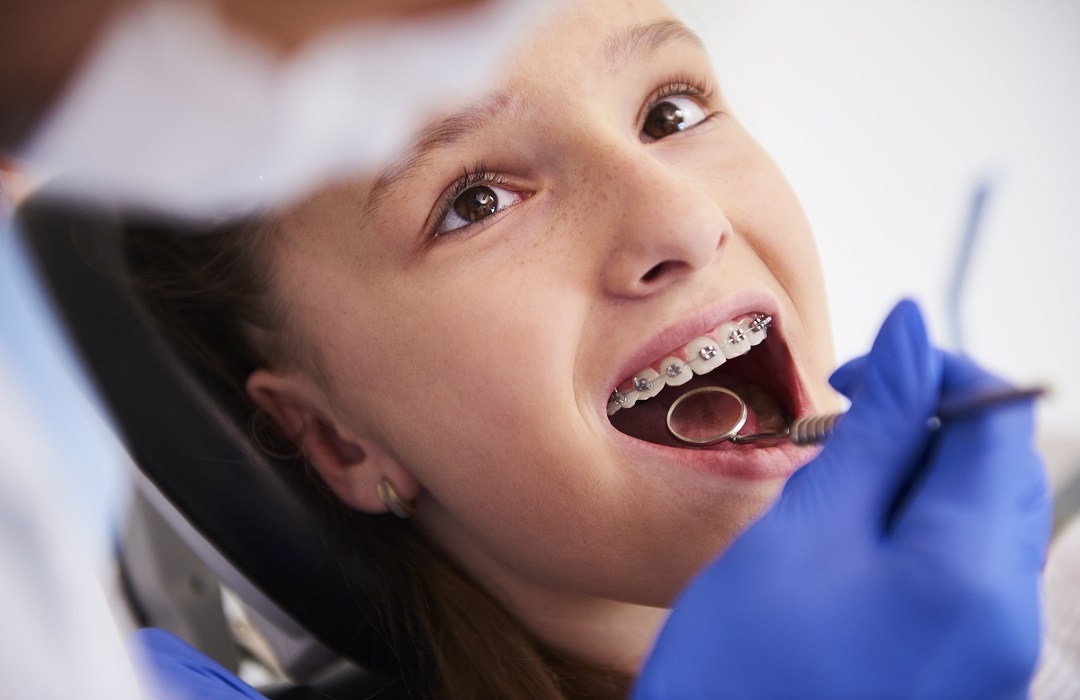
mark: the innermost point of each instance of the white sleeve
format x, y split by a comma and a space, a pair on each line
59, 489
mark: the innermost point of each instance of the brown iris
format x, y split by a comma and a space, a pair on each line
476, 203
663, 120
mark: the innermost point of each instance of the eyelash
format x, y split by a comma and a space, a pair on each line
703, 91
479, 175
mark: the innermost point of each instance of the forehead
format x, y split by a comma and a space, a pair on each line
596, 37
601, 32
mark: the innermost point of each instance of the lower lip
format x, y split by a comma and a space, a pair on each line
744, 462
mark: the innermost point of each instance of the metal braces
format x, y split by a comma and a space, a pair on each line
760, 323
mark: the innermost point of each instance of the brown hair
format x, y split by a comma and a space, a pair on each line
210, 296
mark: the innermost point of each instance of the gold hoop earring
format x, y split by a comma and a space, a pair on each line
389, 496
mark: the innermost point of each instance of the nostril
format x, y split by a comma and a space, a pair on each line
653, 273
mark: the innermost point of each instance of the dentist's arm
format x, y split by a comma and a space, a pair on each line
901, 563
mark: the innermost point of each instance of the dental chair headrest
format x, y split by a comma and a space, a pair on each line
186, 447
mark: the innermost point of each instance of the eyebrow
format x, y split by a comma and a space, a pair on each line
642, 39
620, 47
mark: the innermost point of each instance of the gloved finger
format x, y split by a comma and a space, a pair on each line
961, 377
964, 379
985, 499
848, 377
881, 440
978, 526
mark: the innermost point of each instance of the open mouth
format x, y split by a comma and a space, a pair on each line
737, 356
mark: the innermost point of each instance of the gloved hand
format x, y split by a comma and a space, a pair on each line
902, 562
176, 671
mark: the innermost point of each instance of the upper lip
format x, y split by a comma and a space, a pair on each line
681, 332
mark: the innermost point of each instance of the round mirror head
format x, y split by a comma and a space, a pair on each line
706, 416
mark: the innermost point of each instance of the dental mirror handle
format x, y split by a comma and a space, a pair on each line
814, 430
809, 430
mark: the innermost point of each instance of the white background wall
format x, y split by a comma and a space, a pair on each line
885, 116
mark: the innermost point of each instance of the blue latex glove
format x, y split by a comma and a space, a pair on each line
176, 671
857, 583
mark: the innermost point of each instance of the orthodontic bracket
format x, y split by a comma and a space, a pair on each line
759, 324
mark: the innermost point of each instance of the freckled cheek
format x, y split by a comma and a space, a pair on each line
456, 423
765, 212
763, 208
483, 337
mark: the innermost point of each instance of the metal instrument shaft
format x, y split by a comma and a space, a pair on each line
814, 430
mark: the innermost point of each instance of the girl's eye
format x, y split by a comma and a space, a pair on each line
673, 114
475, 204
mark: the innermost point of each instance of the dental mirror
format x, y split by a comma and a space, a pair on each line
711, 415
706, 416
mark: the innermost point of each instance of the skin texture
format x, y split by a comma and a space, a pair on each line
473, 369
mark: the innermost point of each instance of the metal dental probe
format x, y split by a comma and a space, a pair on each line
727, 410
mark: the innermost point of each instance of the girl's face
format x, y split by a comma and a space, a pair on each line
467, 314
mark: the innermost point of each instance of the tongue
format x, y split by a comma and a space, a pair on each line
647, 419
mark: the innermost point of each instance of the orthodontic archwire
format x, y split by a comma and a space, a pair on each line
759, 324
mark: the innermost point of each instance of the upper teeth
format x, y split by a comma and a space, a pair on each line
700, 356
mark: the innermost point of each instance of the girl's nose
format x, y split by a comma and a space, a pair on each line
668, 228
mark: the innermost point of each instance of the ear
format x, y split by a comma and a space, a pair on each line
348, 462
